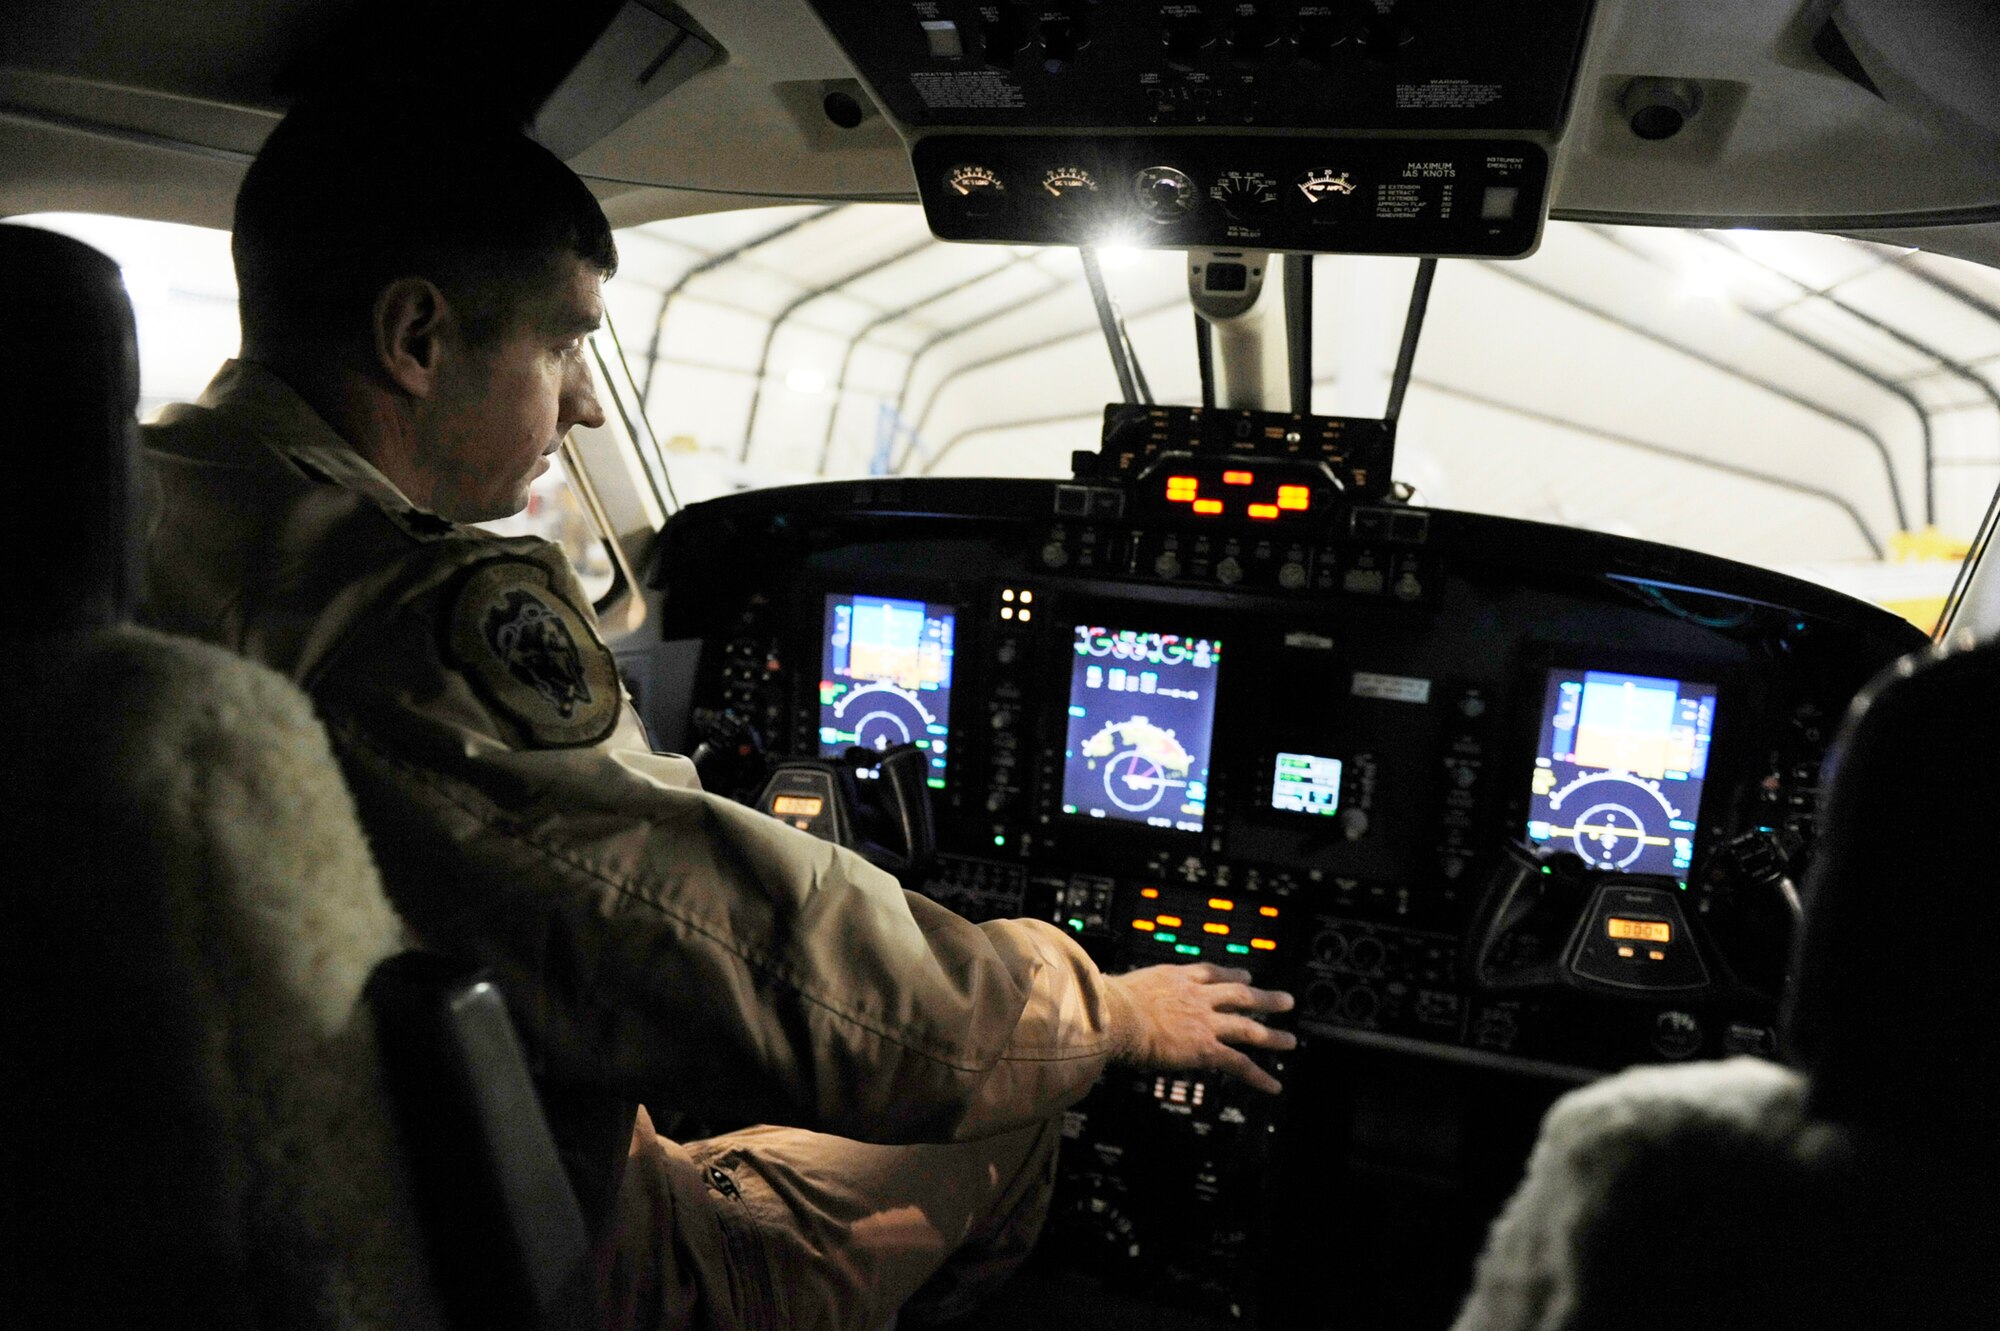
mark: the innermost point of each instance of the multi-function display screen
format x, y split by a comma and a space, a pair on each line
885, 678
1305, 783
1619, 769
1141, 717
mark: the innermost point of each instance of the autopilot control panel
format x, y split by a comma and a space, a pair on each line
1495, 800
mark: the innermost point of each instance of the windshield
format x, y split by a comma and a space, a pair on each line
1803, 402
1808, 403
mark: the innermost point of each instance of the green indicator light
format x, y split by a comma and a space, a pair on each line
1187, 949
934, 782
999, 840
1076, 924
1547, 869
1166, 937
1238, 948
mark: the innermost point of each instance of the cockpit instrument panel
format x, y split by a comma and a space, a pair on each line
1418, 128
1311, 745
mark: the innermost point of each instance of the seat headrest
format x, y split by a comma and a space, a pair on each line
69, 363
1895, 988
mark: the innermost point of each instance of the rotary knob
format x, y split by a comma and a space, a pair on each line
1228, 571
1185, 39
1250, 38
1167, 564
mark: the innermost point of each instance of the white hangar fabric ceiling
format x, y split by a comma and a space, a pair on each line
1807, 402
1783, 398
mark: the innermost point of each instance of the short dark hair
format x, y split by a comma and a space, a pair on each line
344, 199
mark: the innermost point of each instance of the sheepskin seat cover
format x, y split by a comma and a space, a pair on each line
187, 952
1704, 1196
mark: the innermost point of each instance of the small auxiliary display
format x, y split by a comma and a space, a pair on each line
1141, 720
1619, 767
1306, 783
885, 678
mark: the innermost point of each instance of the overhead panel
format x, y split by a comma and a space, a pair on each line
1398, 127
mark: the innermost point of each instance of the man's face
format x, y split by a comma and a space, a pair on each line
502, 409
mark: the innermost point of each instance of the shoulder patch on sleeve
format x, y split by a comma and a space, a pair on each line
533, 655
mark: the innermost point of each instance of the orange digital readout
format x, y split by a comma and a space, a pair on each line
1290, 498
797, 806
1645, 931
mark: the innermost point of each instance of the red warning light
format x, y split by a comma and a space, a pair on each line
1238, 477
1267, 512
1210, 507
1295, 497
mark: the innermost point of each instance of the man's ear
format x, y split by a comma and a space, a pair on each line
410, 319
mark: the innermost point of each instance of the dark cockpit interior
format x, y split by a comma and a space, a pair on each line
1508, 806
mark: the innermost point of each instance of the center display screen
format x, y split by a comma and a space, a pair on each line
1141, 719
1619, 769
885, 678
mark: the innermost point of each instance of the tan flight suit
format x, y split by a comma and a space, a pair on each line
656, 944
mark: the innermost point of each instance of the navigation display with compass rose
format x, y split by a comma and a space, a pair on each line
1619, 768
885, 678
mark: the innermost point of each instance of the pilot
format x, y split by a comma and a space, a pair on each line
416, 290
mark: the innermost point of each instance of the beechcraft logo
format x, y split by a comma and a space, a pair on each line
538, 650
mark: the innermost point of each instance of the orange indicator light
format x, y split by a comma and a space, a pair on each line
1149, 892
1208, 506
1268, 512
1271, 911
1295, 497
1657, 956
1264, 944
1143, 926
1181, 489
1170, 919
1627, 952
1213, 928
1237, 478
1221, 903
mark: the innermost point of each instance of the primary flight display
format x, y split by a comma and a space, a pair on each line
1619, 769
885, 678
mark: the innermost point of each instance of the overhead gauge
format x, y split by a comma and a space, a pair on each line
1069, 183
1245, 195
1326, 187
1165, 194
978, 188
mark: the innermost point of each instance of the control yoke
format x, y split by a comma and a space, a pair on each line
874, 803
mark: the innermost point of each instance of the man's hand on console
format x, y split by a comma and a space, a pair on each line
1190, 1018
